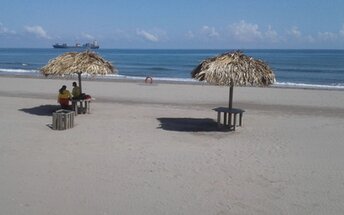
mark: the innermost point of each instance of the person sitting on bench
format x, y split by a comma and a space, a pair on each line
64, 97
76, 91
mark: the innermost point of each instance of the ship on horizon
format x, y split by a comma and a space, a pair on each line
93, 45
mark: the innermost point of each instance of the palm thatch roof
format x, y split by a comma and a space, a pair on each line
78, 62
234, 69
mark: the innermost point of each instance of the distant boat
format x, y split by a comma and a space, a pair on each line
93, 45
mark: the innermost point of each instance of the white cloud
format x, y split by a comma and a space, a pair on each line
341, 32
5, 30
327, 36
271, 35
38, 31
147, 36
295, 32
209, 31
245, 32
331, 36
121, 34
87, 36
310, 39
250, 33
190, 34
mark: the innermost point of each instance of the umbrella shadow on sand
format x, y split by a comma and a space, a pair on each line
189, 124
42, 110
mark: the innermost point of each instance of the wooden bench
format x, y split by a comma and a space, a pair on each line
84, 106
229, 117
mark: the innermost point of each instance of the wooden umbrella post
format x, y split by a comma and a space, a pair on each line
79, 77
230, 105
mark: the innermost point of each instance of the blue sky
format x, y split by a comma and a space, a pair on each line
226, 24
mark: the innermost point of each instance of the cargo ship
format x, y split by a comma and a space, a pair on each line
93, 45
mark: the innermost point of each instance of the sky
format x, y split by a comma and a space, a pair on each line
174, 24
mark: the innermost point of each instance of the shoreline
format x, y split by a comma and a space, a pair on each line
167, 81
298, 100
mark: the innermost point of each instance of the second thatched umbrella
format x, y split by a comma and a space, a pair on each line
234, 69
78, 62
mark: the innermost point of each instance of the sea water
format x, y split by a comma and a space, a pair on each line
293, 68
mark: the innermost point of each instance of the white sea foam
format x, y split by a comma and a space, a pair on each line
310, 86
18, 70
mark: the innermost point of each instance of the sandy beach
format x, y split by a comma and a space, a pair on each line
154, 149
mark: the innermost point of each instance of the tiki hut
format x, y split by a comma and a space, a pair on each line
234, 69
78, 63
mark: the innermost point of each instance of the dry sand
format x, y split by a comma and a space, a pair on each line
154, 149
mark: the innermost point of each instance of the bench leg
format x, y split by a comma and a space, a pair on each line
225, 119
230, 123
81, 107
234, 121
87, 106
218, 119
75, 107
240, 119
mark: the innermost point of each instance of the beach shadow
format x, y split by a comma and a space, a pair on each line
189, 124
42, 110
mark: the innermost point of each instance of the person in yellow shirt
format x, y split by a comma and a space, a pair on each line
64, 97
76, 91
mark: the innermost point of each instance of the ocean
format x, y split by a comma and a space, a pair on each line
293, 68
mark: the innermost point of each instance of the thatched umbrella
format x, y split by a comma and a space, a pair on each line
234, 69
78, 62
